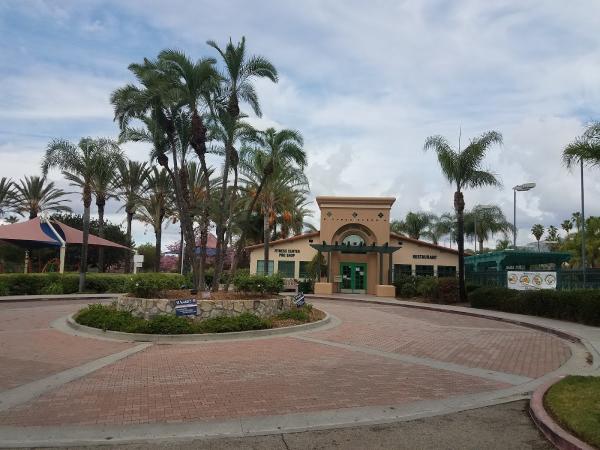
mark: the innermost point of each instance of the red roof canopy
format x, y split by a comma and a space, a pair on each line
35, 233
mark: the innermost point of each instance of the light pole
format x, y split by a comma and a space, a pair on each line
582, 227
520, 188
476, 210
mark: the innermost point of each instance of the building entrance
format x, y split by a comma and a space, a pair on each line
354, 278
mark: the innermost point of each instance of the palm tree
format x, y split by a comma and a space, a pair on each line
414, 224
104, 187
78, 165
463, 168
35, 195
155, 207
131, 184
441, 226
585, 148
7, 195
567, 225
576, 219
489, 221
552, 233
279, 153
538, 231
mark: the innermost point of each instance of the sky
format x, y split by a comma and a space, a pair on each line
364, 82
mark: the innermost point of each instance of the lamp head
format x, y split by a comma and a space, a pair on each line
524, 187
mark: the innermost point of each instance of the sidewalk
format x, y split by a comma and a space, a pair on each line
37, 298
587, 335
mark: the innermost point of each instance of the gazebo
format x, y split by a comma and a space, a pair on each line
43, 233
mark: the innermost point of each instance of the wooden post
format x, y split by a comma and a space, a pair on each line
380, 267
390, 270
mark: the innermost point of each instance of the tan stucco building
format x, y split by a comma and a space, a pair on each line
362, 254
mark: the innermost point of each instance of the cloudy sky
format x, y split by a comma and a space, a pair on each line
365, 83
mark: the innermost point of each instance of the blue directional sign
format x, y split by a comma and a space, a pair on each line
187, 307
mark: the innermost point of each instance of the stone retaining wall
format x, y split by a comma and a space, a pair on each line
152, 307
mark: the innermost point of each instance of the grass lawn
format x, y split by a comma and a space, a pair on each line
575, 404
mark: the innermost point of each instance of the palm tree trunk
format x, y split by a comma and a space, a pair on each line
221, 222
32, 214
459, 207
481, 245
239, 247
100, 204
157, 248
129, 257
87, 200
266, 239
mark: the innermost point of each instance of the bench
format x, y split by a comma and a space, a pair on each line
289, 284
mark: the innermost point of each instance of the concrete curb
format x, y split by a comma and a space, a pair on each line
569, 336
207, 337
561, 438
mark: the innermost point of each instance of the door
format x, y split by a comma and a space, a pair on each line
354, 278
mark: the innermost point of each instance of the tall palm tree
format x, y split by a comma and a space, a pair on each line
414, 224
489, 220
35, 195
567, 225
104, 187
278, 152
585, 148
156, 207
131, 184
7, 195
463, 168
538, 231
240, 70
552, 233
78, 165
195, 84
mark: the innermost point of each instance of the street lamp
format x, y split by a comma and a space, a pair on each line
477, 209
520, 188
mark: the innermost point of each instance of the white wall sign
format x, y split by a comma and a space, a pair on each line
524, 281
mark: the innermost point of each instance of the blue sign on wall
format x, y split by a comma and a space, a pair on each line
188, 307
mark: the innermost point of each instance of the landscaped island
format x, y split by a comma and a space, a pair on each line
153, 307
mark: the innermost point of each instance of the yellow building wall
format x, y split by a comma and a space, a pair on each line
296, 250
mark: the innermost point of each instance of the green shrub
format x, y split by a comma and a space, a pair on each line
300, 314
270, 284
55, 288
427, 287
108, 317
448, 290
150, 285
306, 286
406, 286
578, 305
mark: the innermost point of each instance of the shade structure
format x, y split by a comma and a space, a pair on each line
37, 234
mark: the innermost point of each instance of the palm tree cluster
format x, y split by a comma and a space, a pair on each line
189, 109
30, 196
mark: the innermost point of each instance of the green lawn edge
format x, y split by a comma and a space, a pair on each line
574, 402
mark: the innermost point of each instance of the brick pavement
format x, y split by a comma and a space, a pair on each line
173, 383
469, 341
30, 349
230, 379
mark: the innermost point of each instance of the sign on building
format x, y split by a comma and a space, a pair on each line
524, 281
187, 307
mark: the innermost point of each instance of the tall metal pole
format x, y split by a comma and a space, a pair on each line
582, 228
475, 228
515, 219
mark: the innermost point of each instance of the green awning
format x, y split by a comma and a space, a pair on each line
509, 258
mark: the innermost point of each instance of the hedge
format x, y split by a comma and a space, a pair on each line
54, 283
439, 290
581, 305
269, 284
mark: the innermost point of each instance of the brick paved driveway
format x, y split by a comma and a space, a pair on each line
379, 355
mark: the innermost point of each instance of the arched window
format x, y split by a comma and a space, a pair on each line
353, 240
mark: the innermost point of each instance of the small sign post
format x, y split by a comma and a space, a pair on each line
187, 307
299, 300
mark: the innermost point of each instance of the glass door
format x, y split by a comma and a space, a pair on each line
354, 278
